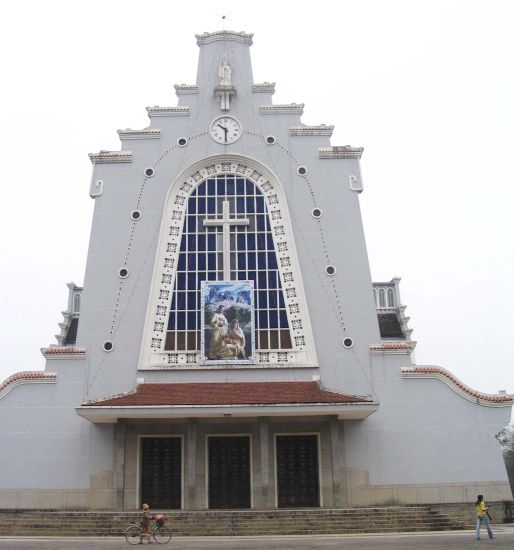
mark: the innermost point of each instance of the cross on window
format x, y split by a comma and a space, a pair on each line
226, 221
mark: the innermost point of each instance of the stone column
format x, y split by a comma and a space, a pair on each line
190, 456
338, 471
120, 437
264, 456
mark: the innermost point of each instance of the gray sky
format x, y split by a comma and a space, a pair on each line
427, 87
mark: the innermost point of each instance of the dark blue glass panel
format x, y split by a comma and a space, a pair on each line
201, 189
250, 188
181, 301
211, 275
211, 262
272, 261
241, 244
263, 318
181, 320
181, 262
262, 279
261, 241
240, 205
191, 320
201, 206
183, 243
261, 260
283, 319
251, 260
241, 261
251, 241
272, 279
191, 261
191, 281
259, 203
240, 186
281, 303
272, 299
211, 241
191, 243
271, 246
211, 206
191, 206
230, 186
171, 322
181, 281
202, 240
261, 222
191, 224
268, 226
250, 205
241, 275
221, 186
201, 277
263, 299
273, 319
173, 300
202, 262
211, 187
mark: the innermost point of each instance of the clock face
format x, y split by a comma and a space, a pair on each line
225, 129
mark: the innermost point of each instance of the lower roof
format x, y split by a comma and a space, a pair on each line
240, 399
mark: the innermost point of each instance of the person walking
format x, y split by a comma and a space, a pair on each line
482, 516
145, 524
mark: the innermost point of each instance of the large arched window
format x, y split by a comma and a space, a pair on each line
227, 236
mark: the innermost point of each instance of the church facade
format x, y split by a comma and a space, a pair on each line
228, 348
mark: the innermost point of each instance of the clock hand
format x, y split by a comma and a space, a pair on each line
222, 127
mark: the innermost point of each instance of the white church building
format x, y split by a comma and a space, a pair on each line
228, 349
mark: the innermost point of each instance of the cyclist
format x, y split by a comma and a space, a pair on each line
145, 524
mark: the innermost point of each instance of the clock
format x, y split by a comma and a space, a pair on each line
225, 129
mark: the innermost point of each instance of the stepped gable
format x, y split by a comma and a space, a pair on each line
230, 393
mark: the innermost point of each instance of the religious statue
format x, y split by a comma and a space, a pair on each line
225, 72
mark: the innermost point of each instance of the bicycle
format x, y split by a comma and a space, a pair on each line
160, 533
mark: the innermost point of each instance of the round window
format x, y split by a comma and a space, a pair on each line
123, 273
182, 142
149, 172
135, 214
302, 171
270, 140
330, 270
348, 343
108, 346
317, 212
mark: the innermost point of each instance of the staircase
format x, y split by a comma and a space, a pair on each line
231, 523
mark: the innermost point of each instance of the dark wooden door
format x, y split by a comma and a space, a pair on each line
297, 471
161, 472
229, 472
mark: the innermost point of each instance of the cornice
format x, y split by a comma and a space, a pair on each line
147, 133
486, 399
186, 89
110, 157
321, 130
26, 377
63, 352
341, 152
232, 36
167, 111
264, 88
284, 109
393, 348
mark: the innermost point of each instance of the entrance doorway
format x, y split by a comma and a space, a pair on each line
297, 471
161, 472
229, 472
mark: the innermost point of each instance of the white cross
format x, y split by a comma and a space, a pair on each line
226, 221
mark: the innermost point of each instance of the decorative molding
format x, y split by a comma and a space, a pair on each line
486, 399
26, 377
341, 152
282, 109
321, 130
208, 37
110, 157
147, 133
393, 348
264, 88
62, 352
167, 111
186, 89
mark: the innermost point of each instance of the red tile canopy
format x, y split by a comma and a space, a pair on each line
227, 399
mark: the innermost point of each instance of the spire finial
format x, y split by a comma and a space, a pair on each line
223, 18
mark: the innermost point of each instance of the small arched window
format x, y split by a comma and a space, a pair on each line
381, 298
76, 303
390, 297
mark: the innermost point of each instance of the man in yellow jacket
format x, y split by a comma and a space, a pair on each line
482, 516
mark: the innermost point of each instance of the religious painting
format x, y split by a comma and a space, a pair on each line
228, 333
